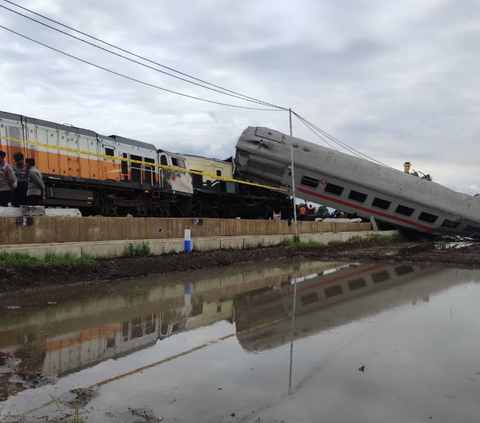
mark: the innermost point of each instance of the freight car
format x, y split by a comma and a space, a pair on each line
99, 184
354, 185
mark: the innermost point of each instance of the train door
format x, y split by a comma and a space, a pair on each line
124, 167
149, 171
111, 170
164, 162
135, 169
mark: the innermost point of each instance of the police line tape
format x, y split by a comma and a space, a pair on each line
123, 159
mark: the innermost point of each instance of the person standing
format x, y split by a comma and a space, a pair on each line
303, 213
36, 187
8, 181
19, 194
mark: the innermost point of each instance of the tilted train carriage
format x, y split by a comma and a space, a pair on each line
354, 185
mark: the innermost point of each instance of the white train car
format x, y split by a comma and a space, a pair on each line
354, 185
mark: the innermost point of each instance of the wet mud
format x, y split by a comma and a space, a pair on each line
16, 278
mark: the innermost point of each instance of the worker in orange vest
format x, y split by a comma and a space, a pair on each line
303, 212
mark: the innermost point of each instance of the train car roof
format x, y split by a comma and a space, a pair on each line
134, 143
208, 158
48, 124
182, 156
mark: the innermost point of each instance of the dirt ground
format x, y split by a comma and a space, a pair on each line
375, 250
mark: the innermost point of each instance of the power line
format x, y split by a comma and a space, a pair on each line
246, 98
136, 61
342, 144
307, 125
315, 129
134, 79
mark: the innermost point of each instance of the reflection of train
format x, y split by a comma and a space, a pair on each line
335, 298
354, 185
111, 187
81, 333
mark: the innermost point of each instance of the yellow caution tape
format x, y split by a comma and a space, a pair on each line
123, 159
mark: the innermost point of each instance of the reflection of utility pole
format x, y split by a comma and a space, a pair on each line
294, 308
293, 179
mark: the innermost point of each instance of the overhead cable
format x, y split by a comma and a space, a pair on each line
135, 79
136, 61
218, 88
342, 144
307, 125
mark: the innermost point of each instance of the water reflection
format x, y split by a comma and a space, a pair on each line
333, 298
76, 334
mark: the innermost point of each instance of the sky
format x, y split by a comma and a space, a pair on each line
396, 80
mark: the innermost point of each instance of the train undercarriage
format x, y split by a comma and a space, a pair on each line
218, 200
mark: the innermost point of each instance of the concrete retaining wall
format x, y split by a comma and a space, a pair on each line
39, 230
111, 249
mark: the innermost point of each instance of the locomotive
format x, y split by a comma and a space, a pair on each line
100, 183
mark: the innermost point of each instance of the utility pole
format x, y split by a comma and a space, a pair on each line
293, 178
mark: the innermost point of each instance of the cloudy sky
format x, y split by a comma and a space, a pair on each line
396, 80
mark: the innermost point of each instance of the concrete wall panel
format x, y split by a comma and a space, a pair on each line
45, 229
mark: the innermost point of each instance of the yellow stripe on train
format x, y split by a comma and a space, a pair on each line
124, 159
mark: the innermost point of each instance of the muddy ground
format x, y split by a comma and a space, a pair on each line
15, 278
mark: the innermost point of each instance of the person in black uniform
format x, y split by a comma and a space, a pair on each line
19, 194
8, 181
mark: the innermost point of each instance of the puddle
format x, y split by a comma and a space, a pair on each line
303, 341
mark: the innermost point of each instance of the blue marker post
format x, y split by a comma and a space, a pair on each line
188, 242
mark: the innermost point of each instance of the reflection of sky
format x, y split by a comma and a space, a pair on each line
421, 360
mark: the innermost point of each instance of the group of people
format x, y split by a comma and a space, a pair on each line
306, 211
20, 184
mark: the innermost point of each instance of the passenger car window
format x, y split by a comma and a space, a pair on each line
309, 182
357, 284
407, 211
427, 217
163, 160
380, 277
450, 224
333, 291
381, 204
357, 196
334, 189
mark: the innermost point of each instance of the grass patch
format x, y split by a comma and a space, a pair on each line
138, 250
380, 236
335, 242
287, 242
50, 259
356, 238
68, 418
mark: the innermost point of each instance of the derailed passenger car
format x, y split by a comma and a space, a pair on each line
354, 185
